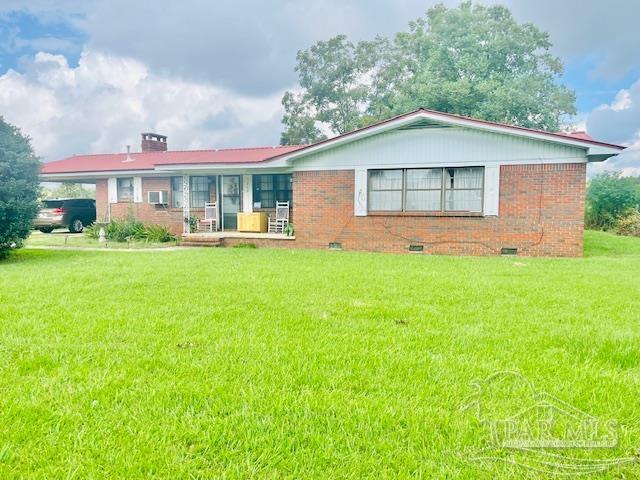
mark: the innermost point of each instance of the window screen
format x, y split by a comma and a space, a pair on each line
125, 189
199, 190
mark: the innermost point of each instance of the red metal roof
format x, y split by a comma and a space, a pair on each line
149, 160
582, 135
108, 162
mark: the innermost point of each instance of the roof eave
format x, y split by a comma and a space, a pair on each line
600, 154
453, 120
69, 176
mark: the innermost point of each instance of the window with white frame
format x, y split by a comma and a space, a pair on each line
458, 189
125, 189
385, 190
463, 189
199, 190
176, 192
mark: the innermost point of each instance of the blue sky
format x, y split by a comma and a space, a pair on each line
24, 33
87, 76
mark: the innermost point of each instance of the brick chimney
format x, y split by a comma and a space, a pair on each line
152, 142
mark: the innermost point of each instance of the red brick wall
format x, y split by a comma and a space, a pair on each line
146, 213
541, 213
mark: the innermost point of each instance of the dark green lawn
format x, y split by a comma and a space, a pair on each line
262, 363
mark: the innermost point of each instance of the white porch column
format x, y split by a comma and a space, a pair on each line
186, 213
247, 193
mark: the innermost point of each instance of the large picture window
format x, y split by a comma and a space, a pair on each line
426, 190
199, 190
125, 189
269, 189
176, 192
385, 190
463, 189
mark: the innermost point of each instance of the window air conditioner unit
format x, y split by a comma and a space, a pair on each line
158, 198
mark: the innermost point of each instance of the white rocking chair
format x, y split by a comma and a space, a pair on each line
278, 224
210, 221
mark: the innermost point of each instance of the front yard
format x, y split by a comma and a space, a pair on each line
61, 238
265, 363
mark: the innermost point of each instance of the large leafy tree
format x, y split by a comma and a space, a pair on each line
470, 60
68, 190
610, 196
19, 187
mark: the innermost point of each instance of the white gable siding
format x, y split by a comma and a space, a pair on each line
439, 147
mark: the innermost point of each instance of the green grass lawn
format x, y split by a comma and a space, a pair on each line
238, 363
62, 238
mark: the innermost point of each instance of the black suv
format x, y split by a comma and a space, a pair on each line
71, 213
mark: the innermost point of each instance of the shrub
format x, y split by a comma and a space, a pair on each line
159, 233
124, 230
629, 224
92, 231
131, 229
609, 197
19, 187
193, 224
289, 230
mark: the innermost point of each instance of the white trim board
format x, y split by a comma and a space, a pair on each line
485, 163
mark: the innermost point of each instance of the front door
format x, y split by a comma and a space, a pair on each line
230, 201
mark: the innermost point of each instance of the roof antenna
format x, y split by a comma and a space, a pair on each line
129, 158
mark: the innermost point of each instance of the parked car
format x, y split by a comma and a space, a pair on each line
71, 213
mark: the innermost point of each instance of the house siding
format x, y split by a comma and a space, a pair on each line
541, 213
144, 212
450, 147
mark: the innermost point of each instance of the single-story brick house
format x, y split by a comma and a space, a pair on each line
423, 181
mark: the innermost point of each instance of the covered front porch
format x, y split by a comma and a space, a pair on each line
219, 205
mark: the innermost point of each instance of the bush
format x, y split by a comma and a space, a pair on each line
159, 233
629, 224
609, 198
193, 224
92, 231
130, 229
124, 230
19, 187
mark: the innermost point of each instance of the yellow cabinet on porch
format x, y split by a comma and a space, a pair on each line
253, 222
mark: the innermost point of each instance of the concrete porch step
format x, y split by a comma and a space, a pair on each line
210, 243
200, 241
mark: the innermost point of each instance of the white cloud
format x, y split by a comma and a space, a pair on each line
619, 122
250, 46
106, 101
212, 73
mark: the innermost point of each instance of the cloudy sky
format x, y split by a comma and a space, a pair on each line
85, 76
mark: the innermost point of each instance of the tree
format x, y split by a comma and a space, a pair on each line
610, 197
301, 125
68, 190
470, 60
19, 187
